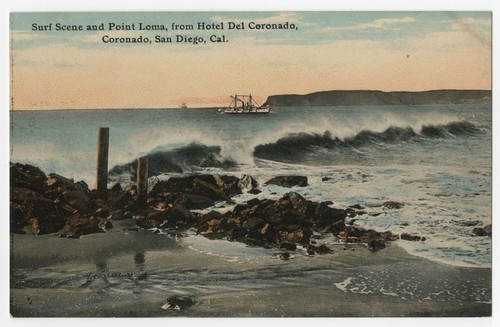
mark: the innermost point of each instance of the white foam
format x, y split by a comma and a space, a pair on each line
343, 284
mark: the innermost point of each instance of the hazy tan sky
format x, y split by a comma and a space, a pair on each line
390, 51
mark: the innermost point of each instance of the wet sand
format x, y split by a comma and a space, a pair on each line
131, 274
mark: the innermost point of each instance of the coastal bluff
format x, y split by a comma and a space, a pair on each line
378, 98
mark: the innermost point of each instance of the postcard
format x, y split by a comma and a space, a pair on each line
251, 164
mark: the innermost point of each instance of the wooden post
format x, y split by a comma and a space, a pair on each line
102, 160
142, 181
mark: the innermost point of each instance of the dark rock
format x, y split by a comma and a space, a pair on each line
325, 178
248, 182
288, 246
77, 226
40, 213
27, 176
329, 218
210, 215
376, 244
176, 216
118, 199
254, 191
392, 205
296, 200
483, 231
181, 214
101, 213
288, 181
375, 240
356, 206
78, 199
121, 214
60, 183
116, 188
254, 223
413, 238
17, 219
240, 207
178, 302
190, 200
105, 224
318, 248
254, 201
350, 212
300, 236
283, 255
229, 185
467, 223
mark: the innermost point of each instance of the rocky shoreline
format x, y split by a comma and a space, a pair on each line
47, 204
96, 276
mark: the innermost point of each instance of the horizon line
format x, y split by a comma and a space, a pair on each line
215, 107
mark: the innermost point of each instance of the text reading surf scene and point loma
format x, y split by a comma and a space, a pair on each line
164, 27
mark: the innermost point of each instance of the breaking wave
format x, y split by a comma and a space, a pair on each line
452, 129
179, 160
296, 145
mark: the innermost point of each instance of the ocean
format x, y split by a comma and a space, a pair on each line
435, 160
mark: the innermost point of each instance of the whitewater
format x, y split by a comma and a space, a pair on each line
435, 160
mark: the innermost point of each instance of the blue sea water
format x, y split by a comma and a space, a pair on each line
436, 160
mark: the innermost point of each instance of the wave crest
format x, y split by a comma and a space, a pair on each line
183, 159
297, 145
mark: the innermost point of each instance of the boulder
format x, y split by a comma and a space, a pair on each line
483, 231
413, 238
117, 198
27, 176
283, 255
61, 184
297, 202
288, 246
300, 236
77, 199
77, 226
40, 213
229, 185
288, 181
376, 244
330, 219
178, 302
248, 182
375, 240
317, 249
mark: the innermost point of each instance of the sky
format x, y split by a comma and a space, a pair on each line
348, 50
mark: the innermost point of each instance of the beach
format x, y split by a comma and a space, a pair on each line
102, 275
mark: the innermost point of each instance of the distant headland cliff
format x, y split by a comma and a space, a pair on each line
374, 98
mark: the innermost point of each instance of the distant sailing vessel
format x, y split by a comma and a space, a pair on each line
244, 104
183, 105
